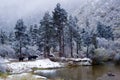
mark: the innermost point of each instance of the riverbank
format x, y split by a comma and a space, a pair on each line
27, 66
23, 76
45, 69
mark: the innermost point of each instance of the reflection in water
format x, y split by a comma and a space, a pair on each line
81, 73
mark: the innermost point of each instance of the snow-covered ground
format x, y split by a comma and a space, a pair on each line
20, 67
2, 60
28, 66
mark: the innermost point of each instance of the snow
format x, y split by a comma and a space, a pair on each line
20, 76
84, 61
20, 67
2, 61
45, 71
27, 66
39, 77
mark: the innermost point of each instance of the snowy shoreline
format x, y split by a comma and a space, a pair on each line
21, 67
16, 67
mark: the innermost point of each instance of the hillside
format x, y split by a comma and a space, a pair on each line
104, 11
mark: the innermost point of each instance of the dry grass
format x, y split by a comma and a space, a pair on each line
3, 75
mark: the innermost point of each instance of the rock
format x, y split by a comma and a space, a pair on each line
110, 74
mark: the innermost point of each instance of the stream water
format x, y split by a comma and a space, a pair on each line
81, 73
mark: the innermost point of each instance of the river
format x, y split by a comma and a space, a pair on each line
82, 72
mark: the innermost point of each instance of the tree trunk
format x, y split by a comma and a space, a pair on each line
87, 54
20, 48
71, 46
77, 48
60, 45
46, 51
94, 41
61, 42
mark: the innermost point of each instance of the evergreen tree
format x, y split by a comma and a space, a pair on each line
87, 36
77, 35
11, 37
47, 32
33, 34
104, 31
94, 40
3, 37
60, 20
20, 35
70, 33
73, 34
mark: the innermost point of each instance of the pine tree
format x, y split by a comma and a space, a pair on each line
20, 35
87, 36
73, 34
70, 33
60, 20
77, 35
94, 40
47, 32
104, 31
3, 37
33, 34
11, 37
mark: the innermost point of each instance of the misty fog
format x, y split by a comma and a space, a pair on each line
32, 10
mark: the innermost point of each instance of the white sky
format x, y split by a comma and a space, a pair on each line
11, 10
24, 7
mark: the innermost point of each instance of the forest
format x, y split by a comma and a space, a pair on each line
59, 34
62, 39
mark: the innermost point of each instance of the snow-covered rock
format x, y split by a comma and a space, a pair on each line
81, 61
45, 71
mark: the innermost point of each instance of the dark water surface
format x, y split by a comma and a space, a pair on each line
81, 73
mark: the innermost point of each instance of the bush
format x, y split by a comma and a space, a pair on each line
100, 55
117, 58
7, 51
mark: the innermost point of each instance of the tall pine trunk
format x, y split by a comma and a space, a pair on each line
60, 44
77, 49
61, 41
46, 51
71, 46
87, 54
47, 47
20, 48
